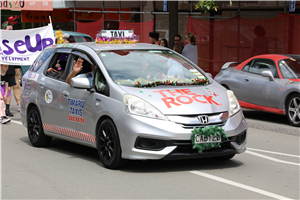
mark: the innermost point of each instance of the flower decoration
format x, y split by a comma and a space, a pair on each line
116, 40
195, 81
59, 35
208, 131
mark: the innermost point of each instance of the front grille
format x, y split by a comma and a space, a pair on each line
185, 150
192, 126
185, 146
192, 121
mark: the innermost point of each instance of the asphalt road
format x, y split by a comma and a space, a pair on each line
269, 169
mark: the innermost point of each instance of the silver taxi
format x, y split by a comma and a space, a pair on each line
145, 102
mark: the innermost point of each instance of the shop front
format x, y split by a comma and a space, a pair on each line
15, 8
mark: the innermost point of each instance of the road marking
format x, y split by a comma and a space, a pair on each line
246, 187
270, 158
283, 154
16, 122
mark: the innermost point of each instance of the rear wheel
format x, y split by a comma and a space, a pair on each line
35, 129
108, 145
293, 110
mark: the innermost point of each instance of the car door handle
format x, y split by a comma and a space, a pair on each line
42, 85
246, 79
65, 93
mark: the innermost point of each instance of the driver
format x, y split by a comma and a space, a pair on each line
77, 68
150, 72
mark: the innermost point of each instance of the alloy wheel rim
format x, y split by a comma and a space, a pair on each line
106, 143
33, 127
294, 110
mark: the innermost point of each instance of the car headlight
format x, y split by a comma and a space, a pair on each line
137, 106
234, 105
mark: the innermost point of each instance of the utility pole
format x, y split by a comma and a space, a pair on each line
75, 28
173, 21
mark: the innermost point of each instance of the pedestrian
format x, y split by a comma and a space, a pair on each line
13, 73
260, 44
66, 38
163, 42
177, 48
154, 37
4, 93
190, 50
177, 41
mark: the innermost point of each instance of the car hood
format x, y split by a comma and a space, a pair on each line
184, 100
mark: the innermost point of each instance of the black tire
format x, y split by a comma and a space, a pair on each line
35, 129
293, 110
21, 75
227, 157
108, 145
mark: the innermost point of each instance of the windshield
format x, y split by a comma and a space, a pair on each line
129, 67
289, 68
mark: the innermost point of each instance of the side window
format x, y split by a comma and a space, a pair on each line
247, 66
57, 66
261, 65
72, 39
88, 65
100, 83
39, 61
88, 39
286, 71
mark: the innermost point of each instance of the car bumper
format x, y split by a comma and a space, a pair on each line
168, 140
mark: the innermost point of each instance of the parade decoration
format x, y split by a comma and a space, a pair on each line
133, 39
195, 81
59, 35
208, 131
11, 21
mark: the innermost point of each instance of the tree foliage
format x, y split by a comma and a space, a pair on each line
208, 5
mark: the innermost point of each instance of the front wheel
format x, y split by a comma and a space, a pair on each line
293, 110
108, 145
35, 129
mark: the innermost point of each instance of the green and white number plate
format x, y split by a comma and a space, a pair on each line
201, 139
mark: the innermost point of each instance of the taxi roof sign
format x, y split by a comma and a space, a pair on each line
116, 37
116, 33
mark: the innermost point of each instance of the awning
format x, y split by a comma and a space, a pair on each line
45, 5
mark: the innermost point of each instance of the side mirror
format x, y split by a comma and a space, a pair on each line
80, 82
268, 73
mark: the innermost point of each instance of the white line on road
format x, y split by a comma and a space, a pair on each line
246, 187
270, 158
272, 152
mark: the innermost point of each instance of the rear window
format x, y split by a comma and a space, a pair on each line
81, 39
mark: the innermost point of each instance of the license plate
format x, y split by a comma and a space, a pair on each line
200, 139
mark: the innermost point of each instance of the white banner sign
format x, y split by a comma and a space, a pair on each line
21, 47
116, 33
